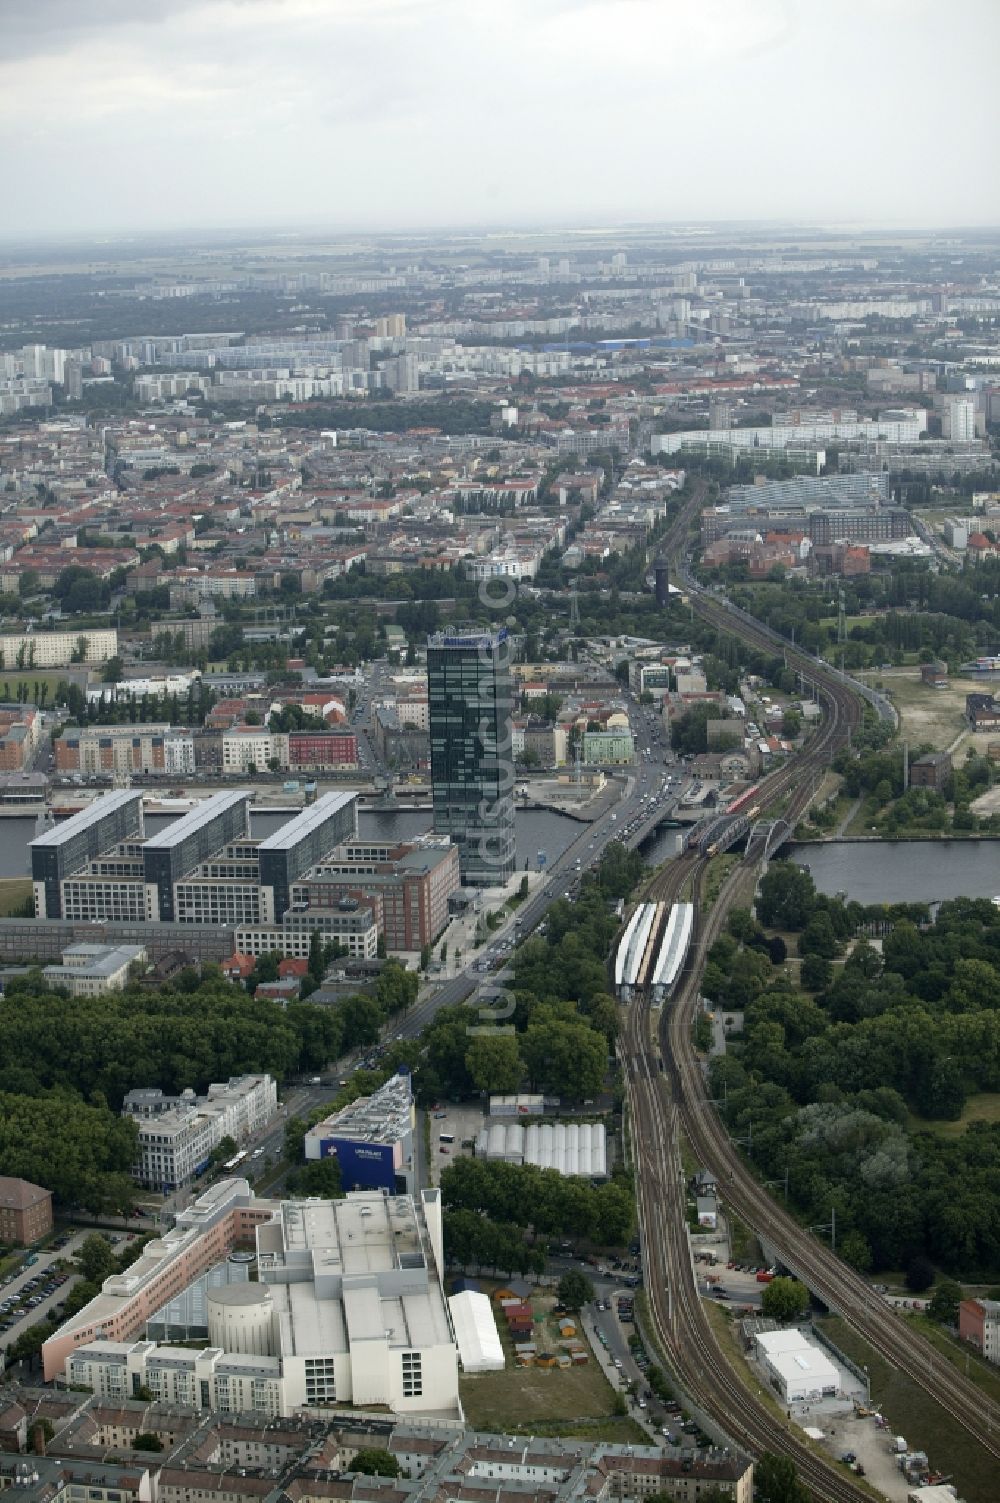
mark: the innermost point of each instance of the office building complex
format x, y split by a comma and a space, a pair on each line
372, 1139
351, 925
349, 1308
472, 761
203, 869
179, 848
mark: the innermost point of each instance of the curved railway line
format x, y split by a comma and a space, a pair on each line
662, 1103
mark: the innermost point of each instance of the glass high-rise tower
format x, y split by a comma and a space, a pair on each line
472, 760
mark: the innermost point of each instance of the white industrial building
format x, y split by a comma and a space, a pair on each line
479, 1347
349, 1309
796, 1367
569, 1147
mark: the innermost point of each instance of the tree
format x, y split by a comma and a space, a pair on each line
944, 1303
317, 1177
919, 1274
425, 957
95, 1258
494, 1063
147, 1440
785, 1299
816, 973
575, 1290
317, 957
565, 1058
775, 1480
112, 671
374, 1462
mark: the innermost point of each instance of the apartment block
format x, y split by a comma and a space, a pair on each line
118, 749
57, 649
979, 1323
178, 1133
18, 737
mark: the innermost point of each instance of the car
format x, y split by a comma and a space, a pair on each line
618, 1363
440, 1115
442, 1149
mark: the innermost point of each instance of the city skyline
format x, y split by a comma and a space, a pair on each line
403, 113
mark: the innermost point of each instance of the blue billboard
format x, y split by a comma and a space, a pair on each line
363, 1166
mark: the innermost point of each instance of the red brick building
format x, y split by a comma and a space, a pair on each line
308, 749
25, 1211
18, 737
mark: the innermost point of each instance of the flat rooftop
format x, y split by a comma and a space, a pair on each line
195, 819
383, 1117
309, 820
107, 804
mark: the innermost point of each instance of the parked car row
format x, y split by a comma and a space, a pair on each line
32, 1294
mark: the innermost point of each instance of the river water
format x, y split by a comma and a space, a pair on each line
904, 871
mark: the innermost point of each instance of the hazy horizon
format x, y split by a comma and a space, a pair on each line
367, 116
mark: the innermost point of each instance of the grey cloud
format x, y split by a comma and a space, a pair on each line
28, 27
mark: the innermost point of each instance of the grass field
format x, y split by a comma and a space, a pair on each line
983, 1107
572, 1401
32, 676
14, 891
911, 1412
545, 1401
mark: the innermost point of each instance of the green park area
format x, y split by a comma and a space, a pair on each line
15, 892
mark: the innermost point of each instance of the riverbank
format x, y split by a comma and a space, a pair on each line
921, 837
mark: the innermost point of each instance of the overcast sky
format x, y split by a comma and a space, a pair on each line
168, 114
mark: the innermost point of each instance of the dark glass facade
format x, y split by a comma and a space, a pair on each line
169, 856
472, 762
67, 847
291, 851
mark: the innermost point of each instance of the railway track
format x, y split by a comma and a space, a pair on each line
662, 1104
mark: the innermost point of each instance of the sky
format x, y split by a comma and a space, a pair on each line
167, 115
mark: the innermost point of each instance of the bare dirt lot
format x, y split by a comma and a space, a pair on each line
936, 716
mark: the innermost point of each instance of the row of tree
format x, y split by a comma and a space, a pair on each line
552, 1204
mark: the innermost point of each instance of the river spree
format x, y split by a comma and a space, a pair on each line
904, 871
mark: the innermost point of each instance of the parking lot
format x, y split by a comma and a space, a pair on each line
36, 1289
459, 1123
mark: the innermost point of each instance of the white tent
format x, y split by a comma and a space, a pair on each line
479, 1348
